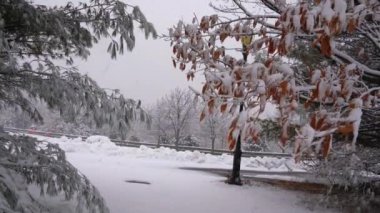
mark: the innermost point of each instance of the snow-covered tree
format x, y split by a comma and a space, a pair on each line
31, 170
173, 116
32, 37
335, 93
212, 130
33, 40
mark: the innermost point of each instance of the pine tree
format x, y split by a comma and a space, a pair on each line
26, 162
33, 37
32, 40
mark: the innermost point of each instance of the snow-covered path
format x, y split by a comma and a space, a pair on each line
171, 189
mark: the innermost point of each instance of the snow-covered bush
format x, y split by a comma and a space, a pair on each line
189, 140
354, 179
98, 139
35, 177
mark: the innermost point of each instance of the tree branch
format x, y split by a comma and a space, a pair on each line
249, 14
343, 56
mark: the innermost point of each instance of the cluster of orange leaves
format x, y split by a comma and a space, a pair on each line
323, 39
276, 91
329, 93
318, 122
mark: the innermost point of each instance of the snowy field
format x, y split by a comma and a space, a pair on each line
166, 188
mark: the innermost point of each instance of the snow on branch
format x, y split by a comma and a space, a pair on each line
237, 87
361, 66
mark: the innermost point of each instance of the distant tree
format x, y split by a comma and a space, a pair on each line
173, 115
160, 123
213, 129
211, 125
335, 93
33, 40
142, 130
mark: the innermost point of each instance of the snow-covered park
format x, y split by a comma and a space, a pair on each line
149, 180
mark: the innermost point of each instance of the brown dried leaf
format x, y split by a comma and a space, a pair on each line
352, 24
223, 35
268, 62
271, 47
282, 48
320, 123
284, 87
277, 23
203, 115
204, 25
325, 45
255, 136
334, 25
182, 66
304, 22
223, 107
213, 19
230, 139
211, 105
216, 55
326, 146
346, 129
204, 89
313, 121
238, 93
238, 74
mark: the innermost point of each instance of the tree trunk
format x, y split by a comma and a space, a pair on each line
235, 174
212, 145
176, 142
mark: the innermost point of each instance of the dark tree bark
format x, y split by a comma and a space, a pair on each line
212, 145
235, 174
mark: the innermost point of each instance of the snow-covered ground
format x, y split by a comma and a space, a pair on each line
170, 188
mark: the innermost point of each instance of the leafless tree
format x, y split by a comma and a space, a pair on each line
173, 114
213, 130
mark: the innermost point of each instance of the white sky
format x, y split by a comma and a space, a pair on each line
147, 72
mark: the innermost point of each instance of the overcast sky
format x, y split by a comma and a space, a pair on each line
147, 72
